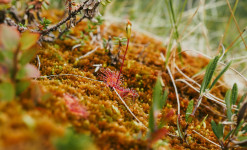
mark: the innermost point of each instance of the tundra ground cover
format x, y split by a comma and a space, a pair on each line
68, 94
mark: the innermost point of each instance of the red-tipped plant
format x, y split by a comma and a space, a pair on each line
128, 31
113, 79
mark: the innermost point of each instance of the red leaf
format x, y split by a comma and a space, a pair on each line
32, 71
74, 106
157, 135
4, 1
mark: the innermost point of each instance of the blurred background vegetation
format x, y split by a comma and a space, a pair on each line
209, 19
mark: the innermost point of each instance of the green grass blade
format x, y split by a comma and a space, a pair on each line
181, 12
179, 130
157, 93
169, 4
151, 121
228, 104
209, 74
228, 135
244, 129
163, 99
241, 100
220, 74
158, 103
189, 111
234, 95
238, 127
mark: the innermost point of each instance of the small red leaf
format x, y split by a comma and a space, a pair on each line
74, 106
157, 135
32, 71
4, 1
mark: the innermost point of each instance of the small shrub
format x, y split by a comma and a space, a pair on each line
16, 51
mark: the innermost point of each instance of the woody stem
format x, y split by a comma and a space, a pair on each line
123, 60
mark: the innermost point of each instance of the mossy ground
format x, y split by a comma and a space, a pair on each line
109, 123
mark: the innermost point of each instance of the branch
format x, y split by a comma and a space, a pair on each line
89, 13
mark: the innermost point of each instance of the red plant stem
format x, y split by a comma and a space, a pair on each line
123, 60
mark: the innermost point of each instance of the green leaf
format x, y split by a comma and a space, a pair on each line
157, 95
217, 129
9, 55
21, 86
7, 91
204, 120
158, 103
163, 99
28, 39
74, 141
242, 143
189, 111
220, 74
209, 74
242, 113
234, 95
1, 57
228, 135
228, 104
151, 121
242, 138
21, 73
27, 56
238, 127
241, 100
220, 130
9, 37
179, 130
244, 129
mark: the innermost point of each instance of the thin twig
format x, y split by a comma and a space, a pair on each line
236, 23
189, 21
193, 81
69, 75
178, 101
67, 28
219, 62
233, 42
206, 95
70, 7
39, 64
175, 88
206, 138
173, 82
73, 14
87, 54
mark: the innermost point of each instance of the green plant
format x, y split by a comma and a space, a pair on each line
73, 141
104, 2
205, 88
32, 14
157, 132
128, 31
235, 134
16, 51
174, 22
45, 23
119, 41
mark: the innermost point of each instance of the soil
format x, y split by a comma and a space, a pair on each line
106, 119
